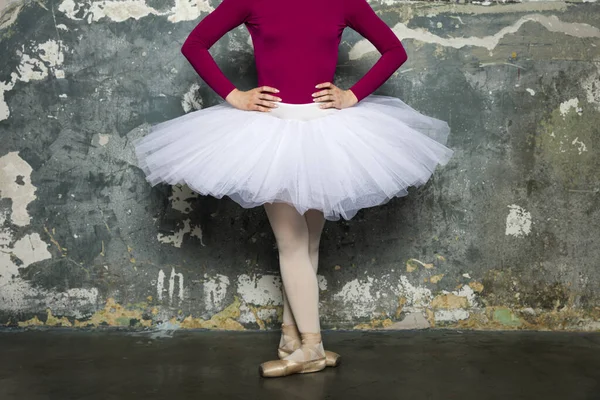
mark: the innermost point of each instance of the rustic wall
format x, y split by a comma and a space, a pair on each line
504, 236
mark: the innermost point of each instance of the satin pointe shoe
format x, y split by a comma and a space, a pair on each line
310, 352
290, 341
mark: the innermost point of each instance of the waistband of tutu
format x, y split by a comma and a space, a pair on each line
302, 111
312, 103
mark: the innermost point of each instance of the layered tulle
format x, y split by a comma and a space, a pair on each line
339, 163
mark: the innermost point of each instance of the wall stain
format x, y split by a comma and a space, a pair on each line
374, 324
114, 314
449, 301
565, 143
225, 319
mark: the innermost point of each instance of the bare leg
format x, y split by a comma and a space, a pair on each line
297, 273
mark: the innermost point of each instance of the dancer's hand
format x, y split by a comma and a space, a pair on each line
334, 97
254, 99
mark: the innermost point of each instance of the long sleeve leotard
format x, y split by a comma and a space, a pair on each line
295, 44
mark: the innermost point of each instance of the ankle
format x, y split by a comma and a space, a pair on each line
312, 345
310, 338
290, 337
290, 330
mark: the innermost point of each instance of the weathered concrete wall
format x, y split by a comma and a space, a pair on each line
505, 236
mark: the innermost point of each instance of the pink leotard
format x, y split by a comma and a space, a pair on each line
295, 44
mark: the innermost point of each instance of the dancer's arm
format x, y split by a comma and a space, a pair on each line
226, 16
360, 16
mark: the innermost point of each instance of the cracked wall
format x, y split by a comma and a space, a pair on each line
503, 237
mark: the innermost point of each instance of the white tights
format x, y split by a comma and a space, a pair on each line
298, 238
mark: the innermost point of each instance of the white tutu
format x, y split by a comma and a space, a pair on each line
336, 161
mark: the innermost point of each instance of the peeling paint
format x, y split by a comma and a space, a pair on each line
565, 141
566, 106
173, 278
264, 315
49, 55
51, 320
375, 323
416, 297
552, 23
449, 301
591, 87
224, 320
181, 198
15, 184
518, 221
176, 239
451, 315
119, 11
214, 291
260, 290
412, 265
103, 139
476, 286
358, 294
581, 147
18, 294
505, 316
31, 322
191, 99
9, 10
414, 320
114, 314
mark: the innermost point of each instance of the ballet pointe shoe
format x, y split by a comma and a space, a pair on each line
290, 342
314, 359
332, 359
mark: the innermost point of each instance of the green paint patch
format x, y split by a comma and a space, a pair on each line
137, 306
123, 321
506, 317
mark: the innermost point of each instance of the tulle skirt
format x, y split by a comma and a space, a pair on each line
336, 161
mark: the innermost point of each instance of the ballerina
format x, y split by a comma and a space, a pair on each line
298, 145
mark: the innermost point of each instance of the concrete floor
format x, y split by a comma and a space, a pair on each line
435, 364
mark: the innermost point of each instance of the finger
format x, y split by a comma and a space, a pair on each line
326, 104
324, 84
268, 89
327, 97
266, 103
264, 96
323, 92
258, 107
319, 95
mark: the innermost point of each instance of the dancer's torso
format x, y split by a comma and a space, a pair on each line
296, 44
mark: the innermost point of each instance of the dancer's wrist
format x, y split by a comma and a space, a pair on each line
351, 96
